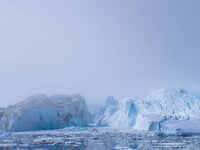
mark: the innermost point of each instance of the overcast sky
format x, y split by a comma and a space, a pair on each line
97, 47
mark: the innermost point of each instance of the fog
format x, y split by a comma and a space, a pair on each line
97, 48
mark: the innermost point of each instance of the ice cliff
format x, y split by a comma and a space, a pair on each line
165, 110
151, 112
40, 112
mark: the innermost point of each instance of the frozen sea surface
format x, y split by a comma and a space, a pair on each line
96, 139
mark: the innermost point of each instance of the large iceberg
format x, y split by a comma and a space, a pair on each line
41, 112
151, 112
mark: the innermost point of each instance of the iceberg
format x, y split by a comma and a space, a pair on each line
118, 113
40, 112
151, 112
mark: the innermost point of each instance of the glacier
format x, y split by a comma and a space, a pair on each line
153, 112
40, 112
164, 110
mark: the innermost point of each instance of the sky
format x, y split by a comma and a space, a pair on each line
97, 48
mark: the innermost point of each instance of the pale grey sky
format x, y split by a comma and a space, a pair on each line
97, 47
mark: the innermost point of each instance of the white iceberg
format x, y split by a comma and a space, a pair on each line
151, 112
41, 112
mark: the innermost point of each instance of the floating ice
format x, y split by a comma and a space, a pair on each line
151, 112
41, 112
